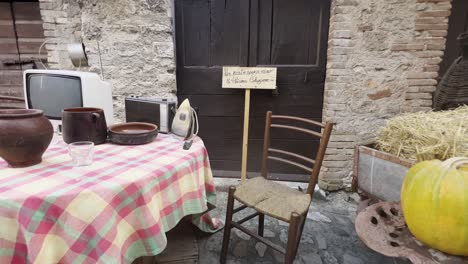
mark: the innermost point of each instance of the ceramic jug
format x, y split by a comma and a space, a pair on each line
84, 124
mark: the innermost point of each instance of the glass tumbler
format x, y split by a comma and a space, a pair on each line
81, 153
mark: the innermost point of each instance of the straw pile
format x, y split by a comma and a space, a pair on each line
426, 135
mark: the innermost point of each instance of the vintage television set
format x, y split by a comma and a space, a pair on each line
54, 90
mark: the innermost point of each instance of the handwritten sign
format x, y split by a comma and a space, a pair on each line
249, 77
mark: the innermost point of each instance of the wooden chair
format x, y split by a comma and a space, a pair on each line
274, 199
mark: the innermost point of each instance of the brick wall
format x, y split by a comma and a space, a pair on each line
431, 25
383, 60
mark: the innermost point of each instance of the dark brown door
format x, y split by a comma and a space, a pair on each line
458, 23
21, 35
291, 35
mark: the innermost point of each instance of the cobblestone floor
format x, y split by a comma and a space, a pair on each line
329, 236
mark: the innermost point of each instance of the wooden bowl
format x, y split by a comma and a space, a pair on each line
133, 133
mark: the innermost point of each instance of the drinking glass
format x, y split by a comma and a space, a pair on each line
81, 153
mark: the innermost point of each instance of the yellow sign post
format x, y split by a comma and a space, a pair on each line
248, 78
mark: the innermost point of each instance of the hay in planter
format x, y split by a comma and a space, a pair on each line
426, 135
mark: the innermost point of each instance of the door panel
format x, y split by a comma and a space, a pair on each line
295, 29
212, 33
193, 34
10, 74
229, 16
21, 35
291, 35
289, 32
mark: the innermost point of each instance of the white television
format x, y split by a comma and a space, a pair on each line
54, 90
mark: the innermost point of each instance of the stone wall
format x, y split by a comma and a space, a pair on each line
62, 25
383, 58
135, 40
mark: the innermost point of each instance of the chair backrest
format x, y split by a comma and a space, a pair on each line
313, 165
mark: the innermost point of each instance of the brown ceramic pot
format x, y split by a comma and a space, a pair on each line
84, 124
25, 135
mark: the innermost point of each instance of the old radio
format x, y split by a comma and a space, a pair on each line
157, 111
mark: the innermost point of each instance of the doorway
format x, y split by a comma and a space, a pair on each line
458, 23
290, 35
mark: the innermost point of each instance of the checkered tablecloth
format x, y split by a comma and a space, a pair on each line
113, 211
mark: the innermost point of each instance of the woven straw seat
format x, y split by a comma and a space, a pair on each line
271, 198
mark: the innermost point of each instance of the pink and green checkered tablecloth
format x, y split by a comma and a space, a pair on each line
113, 211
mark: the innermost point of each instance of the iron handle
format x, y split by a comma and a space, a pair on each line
95, 117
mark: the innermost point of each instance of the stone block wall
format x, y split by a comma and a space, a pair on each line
383, 58
135, 40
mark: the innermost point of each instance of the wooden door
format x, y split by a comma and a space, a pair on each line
458, 23
291, 35
21, 35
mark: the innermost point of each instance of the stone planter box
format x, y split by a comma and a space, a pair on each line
378, 174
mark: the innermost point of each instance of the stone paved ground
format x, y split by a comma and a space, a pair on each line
329, 236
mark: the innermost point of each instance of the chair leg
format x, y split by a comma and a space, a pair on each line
227, 226
292, 238
261, 224
301, 229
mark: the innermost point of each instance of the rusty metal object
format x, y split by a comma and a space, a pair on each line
382, 228
379, 174
452, 90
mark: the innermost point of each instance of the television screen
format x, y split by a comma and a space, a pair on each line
53, 93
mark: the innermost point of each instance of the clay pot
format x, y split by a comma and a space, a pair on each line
25, 135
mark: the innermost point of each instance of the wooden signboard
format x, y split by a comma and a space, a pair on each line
248, 78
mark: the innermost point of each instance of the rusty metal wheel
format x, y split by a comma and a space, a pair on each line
382, 227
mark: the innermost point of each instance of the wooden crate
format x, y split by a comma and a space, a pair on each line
379, 174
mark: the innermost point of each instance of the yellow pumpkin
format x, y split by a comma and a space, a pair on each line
434, 199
